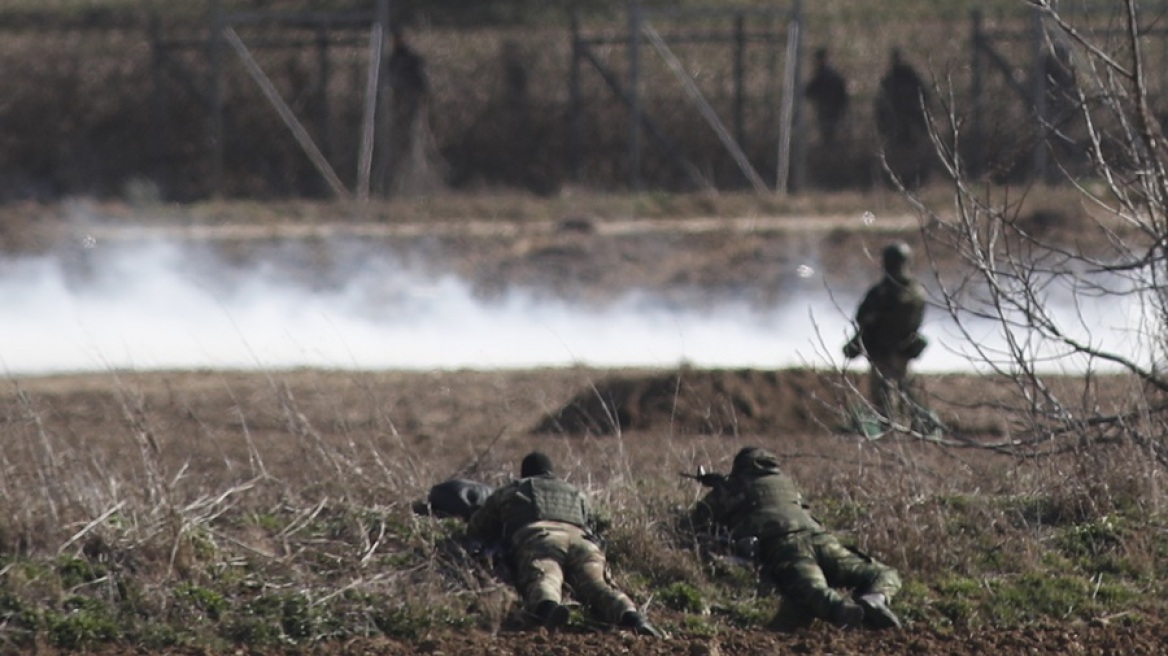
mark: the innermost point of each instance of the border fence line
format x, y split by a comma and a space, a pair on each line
1017, 56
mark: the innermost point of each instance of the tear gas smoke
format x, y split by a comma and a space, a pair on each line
170, 305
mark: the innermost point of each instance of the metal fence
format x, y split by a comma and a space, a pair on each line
239, 102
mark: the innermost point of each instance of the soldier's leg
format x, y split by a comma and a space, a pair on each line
874, 584
539, 555
792, 565
847, 568
588, 575
890, 387
921, 419
880, 388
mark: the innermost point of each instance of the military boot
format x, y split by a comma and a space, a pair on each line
847, 615
641, 626
877, 615
551, 614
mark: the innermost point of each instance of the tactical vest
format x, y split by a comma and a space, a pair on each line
774, 507
899, 308
544, 498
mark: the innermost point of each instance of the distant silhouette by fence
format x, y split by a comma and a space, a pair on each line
689, 100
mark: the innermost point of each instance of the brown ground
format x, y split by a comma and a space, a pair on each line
1146, 639
478, 424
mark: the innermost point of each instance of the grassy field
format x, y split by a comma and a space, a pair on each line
206, 510
272, 510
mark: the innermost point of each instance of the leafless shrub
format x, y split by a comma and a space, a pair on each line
1044, 293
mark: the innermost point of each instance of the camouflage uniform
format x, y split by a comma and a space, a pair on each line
889, 319
544, 524
795, 552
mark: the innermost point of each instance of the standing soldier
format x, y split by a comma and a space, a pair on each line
407, 77
415, 166
759, 505
828, 91
888, 321
545, 524
900, 105
902, 122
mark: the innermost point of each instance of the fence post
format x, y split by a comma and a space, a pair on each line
383, 140
217, 147
323, 115
740, 79
976, 84
787, 113
1038, 95
635, 20
798, 138
158, 97
369, 113
575, 127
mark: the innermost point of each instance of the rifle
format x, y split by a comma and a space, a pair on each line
707, 479
740, 550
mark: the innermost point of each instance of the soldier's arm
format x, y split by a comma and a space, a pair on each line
709, 513
486, 524
869, 308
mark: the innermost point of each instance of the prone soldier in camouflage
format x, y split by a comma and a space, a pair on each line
889, 320
806, 563
545, 525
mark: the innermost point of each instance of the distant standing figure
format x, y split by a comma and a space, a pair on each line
888, 322
515, 84
900, 105
407, 76
828, 91
416, 166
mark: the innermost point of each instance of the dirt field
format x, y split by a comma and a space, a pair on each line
478, 424
325, 433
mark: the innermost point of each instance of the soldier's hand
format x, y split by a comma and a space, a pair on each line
853, 348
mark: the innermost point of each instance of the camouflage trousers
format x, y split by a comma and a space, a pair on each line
888, 387
549, 554
807, 567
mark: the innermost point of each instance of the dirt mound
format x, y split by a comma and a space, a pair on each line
705, 402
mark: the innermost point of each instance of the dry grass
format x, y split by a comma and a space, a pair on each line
275, 508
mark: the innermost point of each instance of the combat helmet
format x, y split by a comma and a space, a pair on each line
754, 459
897, 257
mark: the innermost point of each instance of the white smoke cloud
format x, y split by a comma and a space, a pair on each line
161, 305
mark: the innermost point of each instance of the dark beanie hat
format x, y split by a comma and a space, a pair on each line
535, 464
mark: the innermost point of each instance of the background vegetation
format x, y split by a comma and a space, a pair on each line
274, 510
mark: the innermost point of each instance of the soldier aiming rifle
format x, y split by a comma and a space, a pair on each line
762, 512
707, 479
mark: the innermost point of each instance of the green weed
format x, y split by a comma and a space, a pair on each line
681, 596
82, 622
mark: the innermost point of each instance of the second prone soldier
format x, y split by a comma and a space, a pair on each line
545, 524
761, 504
